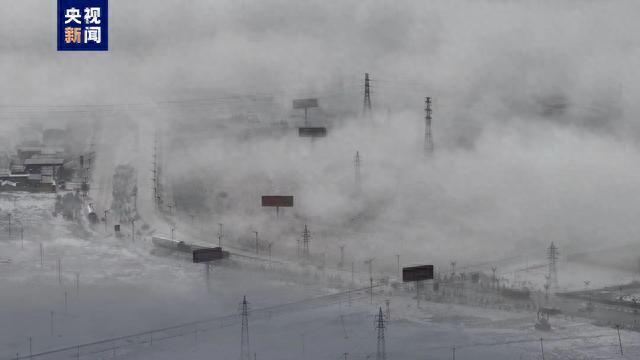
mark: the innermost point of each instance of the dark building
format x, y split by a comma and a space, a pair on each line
36, 165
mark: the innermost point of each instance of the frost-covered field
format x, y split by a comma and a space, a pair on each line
124, 289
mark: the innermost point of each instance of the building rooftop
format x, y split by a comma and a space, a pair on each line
43, 161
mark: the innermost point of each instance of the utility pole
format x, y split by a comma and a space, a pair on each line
493, 268
589, 302
51, 313
542, 348
428, 139
255, 232
157, 186
133, 234
173, 230
341, 263
269, 247
388, 302
619, 340
552, 256
220, 234
105, 220
344, 328
21, 234
381, 354
59, 271
398, 263
352, 272
357, 162
306, 237
245, 353
366, 106
155, 166
370, 263
453, 269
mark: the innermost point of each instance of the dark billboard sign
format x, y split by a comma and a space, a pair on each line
207, 254
417, 273
312, 132
277, 200
305, 103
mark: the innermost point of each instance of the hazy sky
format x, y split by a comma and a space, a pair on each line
480, 53
534, 101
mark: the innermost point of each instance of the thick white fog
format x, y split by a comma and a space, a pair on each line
534, 126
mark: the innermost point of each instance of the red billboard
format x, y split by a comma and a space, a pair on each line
277, 200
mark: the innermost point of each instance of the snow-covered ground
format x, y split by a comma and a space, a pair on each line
124, 289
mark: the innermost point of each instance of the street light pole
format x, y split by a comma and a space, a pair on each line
21, 233
105, 220
370, 263
133, 234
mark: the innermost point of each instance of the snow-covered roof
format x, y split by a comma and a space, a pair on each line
43, 161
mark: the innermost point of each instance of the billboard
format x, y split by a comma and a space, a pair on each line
312, 132
277, 200
208, 254
417, 273
305, 103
